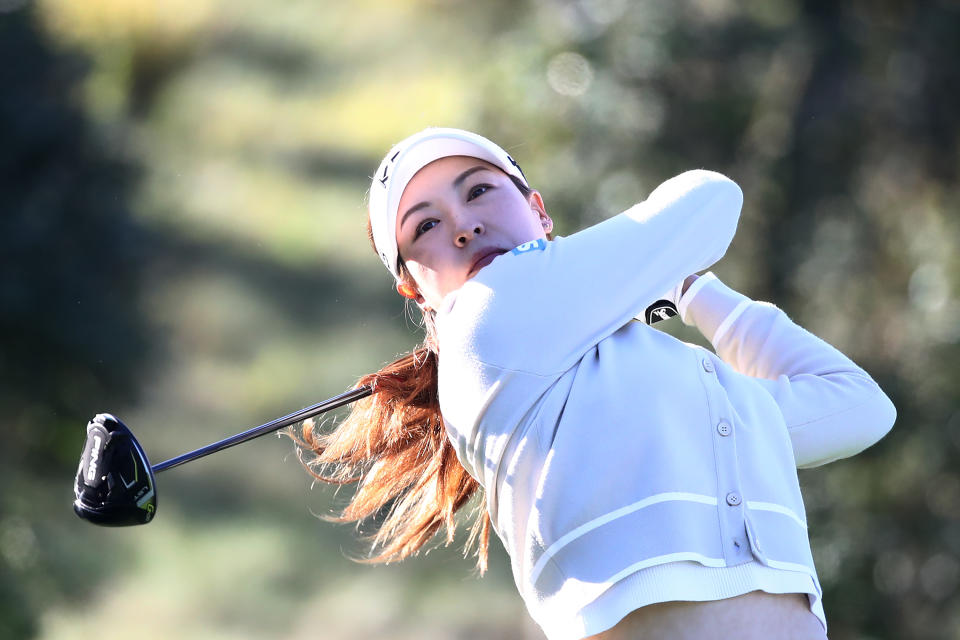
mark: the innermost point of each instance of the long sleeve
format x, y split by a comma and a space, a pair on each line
540, 310
833, 408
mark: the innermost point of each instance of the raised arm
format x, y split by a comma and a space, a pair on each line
540, 310
832, 408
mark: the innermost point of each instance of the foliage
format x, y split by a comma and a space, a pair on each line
182, 242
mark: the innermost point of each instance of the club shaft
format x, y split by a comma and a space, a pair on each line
274, 425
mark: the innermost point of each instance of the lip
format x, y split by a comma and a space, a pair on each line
482, 258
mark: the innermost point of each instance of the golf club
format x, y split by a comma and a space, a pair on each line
115, 483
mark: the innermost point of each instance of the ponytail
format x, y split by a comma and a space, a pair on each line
394, 446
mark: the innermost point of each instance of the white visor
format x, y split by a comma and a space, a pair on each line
404, 160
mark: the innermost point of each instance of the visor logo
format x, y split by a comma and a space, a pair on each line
386, 168
514, 163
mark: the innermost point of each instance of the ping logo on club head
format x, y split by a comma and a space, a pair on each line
533, 245
94, 456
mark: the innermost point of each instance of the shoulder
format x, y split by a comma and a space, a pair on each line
491, 311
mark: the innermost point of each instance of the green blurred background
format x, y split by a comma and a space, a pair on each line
182, 189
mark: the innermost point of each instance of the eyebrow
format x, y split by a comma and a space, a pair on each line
456, 184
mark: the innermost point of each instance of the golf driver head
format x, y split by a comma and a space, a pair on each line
115, 484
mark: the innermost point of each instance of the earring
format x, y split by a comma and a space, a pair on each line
406, 291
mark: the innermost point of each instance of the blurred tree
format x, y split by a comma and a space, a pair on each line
838, 119
70, 263
71, 257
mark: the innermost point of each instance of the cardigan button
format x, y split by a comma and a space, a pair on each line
724, 429
733, 498
707, 365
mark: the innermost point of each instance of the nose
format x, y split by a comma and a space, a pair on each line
467, 231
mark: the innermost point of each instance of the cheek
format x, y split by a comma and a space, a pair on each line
438, 276
514, 213
428, 276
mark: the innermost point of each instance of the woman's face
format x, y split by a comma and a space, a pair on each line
455, 216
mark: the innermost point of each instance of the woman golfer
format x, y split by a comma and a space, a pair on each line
643, 487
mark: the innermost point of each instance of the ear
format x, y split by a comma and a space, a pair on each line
537, 206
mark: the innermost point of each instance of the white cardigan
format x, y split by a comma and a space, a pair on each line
623, 467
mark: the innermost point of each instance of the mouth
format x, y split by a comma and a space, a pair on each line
484, 258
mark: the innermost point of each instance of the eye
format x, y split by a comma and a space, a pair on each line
423, 227
478, 191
